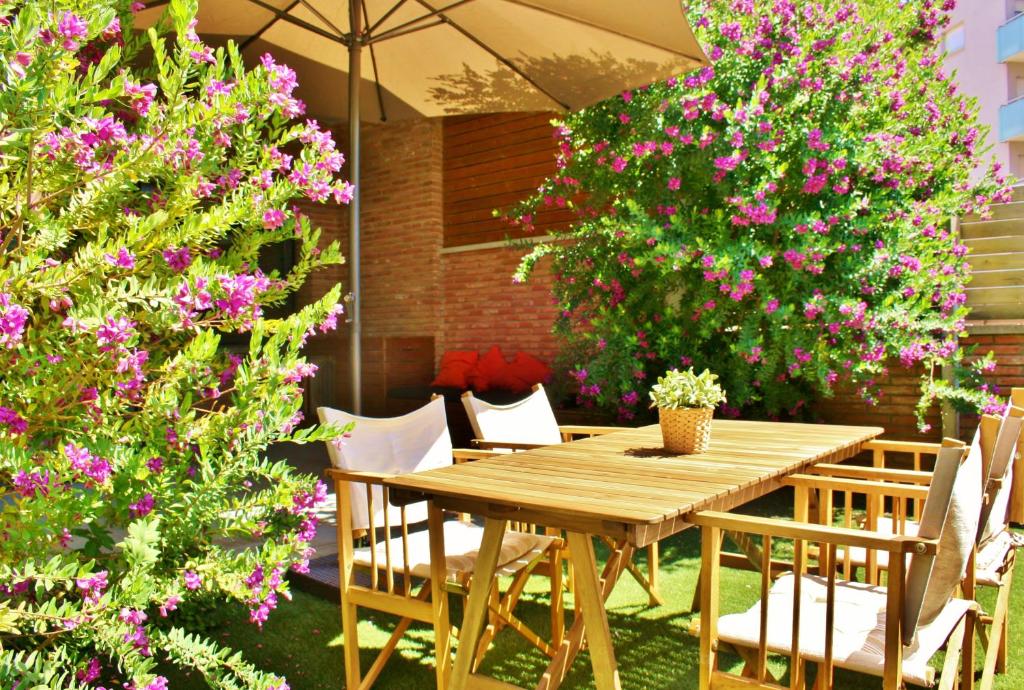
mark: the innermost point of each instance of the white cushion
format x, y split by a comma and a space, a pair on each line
859, 629
414, 442
461, 547
951, 512
531, 420
990, 563
994, 514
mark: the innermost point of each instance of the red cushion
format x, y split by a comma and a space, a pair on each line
455, 368
530, 369
489, 370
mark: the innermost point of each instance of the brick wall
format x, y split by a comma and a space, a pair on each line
1009, 351
467, 300
401, 243
895, 410
483, 307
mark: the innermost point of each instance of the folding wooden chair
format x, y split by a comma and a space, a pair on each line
892, 631
998, 440
375, 540
530, 423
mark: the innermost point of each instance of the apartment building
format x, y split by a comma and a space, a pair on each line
985, 46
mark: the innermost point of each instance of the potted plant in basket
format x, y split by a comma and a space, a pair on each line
685, 403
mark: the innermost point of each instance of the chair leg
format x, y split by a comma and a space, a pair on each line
389, 647
949, 679
1004, 639
350, 635
1003, 644
967, 672
996, 635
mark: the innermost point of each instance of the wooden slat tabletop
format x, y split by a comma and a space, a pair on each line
625, 483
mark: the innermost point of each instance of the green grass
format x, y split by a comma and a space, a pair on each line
302, 640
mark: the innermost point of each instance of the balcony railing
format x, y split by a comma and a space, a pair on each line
1010, 40
1011, 121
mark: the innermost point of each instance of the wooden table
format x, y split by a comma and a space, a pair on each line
621, 485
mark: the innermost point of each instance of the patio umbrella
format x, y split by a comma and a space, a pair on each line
429, 58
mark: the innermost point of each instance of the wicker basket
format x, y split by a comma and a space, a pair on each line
687, 429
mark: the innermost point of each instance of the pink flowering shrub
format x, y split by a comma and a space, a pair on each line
781, 217
136, 204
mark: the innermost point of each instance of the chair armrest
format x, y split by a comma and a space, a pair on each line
857, 486
903, 446
788, 529
357, 476
880, 474
510, 445
461, 455
589, 430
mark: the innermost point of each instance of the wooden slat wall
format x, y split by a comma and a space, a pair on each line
996, 290
493, 162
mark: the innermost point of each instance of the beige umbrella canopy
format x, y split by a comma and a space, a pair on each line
406, 58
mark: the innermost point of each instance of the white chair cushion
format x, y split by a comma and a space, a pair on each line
988, 564
530, 420
994, 515
414, 442
859, 631
958, 536
461, 547
991, 560
859, 556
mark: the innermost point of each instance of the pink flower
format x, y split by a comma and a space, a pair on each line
192, 580
92, 587
142, 507
124, 259
15, 423
674, 183
73, 29
273, 219
170, 604
13, 318
177, 259
141, 96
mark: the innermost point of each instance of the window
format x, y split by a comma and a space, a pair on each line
953, 41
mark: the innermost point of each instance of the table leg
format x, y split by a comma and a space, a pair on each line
595, 618
476, 607
439, 596
573, 642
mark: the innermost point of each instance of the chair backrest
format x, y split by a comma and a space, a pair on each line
1000, 478
396, 445
951, 514
531, 420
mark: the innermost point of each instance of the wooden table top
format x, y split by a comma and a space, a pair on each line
625, 484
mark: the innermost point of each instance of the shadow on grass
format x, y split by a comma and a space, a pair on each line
302, 639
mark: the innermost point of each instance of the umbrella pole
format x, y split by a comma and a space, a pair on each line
355, 333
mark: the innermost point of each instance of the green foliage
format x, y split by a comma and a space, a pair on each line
686, 389
145, 179
781, 216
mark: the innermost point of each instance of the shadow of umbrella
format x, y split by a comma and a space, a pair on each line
456, 56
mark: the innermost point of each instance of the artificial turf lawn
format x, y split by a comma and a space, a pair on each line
302, 639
